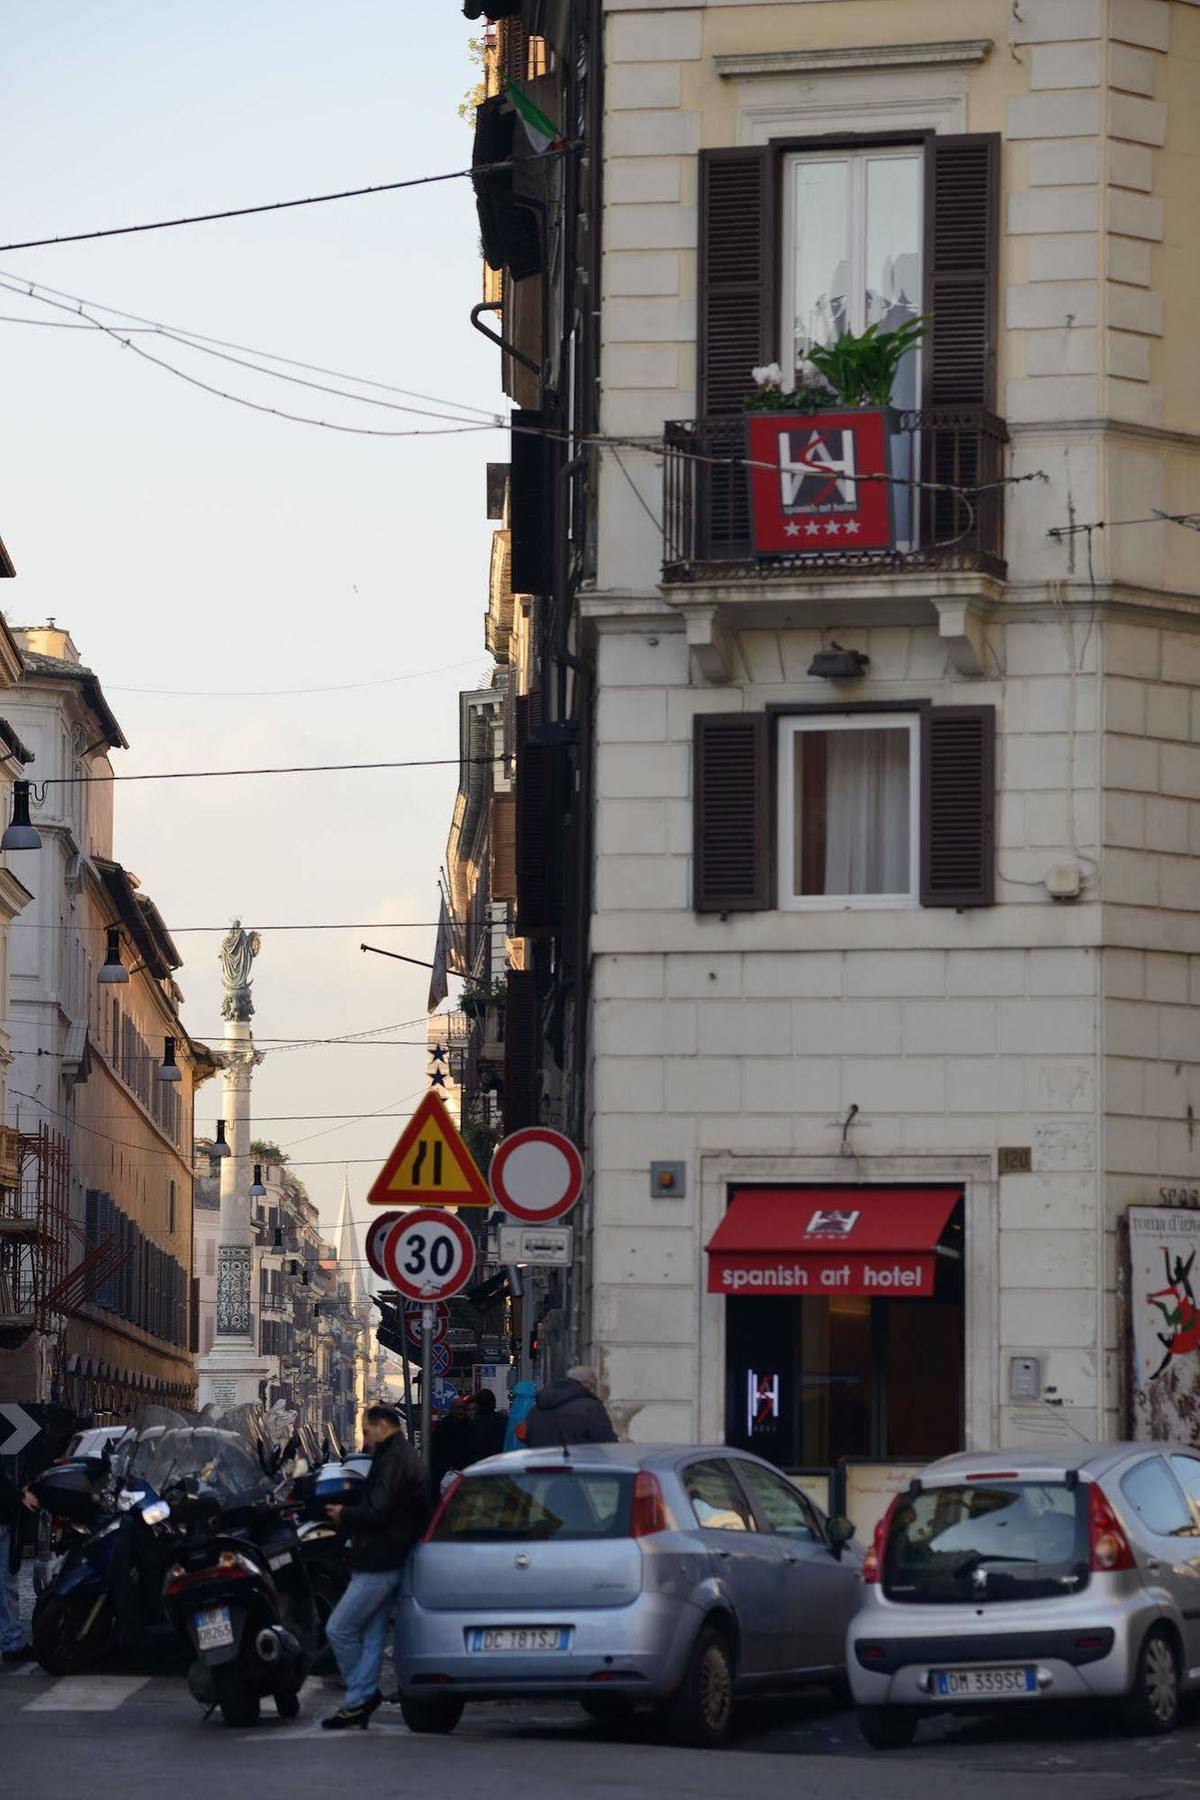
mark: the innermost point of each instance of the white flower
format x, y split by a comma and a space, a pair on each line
807, 375
769, 376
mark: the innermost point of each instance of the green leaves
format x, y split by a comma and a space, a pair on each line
862, 368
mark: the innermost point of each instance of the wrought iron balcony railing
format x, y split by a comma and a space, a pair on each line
949, 505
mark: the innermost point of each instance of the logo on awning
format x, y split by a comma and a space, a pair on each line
827, 1222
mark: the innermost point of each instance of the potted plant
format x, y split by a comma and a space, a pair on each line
478, 996
819, 450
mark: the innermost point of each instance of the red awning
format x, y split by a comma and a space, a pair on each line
873, 1241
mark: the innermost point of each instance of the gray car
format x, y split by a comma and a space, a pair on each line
619, 1575
1020, 1577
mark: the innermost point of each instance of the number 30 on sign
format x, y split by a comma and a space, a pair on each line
429, 1255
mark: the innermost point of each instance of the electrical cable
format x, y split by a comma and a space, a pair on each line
242, 212
427, 762
181, 930
340, 687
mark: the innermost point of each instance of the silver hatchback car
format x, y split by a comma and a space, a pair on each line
1019, 1577
619, 1575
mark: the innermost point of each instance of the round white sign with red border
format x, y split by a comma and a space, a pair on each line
429, 1255
377, 1235
536, 1175
412, 1325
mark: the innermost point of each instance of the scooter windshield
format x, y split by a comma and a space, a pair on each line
223, 1463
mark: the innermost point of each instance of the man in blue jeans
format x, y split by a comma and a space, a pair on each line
382, 1528
13, 1648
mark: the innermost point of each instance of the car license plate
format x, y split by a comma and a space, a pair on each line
519, 1637
983, 1684
214, 1629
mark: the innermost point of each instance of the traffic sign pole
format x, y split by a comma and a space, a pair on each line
427, 1385
408, 1399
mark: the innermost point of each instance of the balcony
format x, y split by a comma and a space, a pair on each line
947, 559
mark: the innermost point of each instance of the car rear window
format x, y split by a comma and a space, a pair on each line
987, 1541
536, 1504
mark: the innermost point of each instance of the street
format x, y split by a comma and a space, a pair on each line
143, 1735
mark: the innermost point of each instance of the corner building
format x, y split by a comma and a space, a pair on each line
895, 971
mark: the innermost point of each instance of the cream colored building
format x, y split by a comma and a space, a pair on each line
1027, 176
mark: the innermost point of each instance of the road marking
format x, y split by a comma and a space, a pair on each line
87, 1693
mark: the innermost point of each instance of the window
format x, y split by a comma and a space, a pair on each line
1003, 1540
1155, 1497
171, 1208
872, 808
848, 810
852, 251
1186, 1470
717, 1501
784, 1507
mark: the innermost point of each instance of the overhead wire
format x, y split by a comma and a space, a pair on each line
338, 687
272, 206
423, 762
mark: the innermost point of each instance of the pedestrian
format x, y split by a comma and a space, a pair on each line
488, 1427
15, 1506
520, 1405
382, 1526
450, 1443
569, 1411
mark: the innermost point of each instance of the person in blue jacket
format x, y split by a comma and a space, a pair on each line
520, 1405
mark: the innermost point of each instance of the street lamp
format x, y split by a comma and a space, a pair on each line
168, 1069
257, 1190
219, 1147
21, 833
112, 969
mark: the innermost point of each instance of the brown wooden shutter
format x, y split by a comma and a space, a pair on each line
502, 840
737, 274
731, 850
958, 806
962, 238
529, 507
522, 1034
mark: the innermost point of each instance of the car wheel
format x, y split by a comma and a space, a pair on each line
608, 1709
239, 1704
887, 1727
1151, 1708
436, 1716
701, 1711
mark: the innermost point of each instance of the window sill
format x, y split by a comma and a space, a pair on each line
835, 903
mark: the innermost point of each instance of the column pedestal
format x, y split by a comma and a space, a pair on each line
232, 1372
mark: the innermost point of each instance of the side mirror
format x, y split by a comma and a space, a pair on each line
839, 1532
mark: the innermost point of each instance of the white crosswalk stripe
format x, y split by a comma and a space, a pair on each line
87, 1693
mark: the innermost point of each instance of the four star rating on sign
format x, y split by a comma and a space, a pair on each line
833, 528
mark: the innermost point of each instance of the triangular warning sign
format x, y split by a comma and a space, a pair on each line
430, 1166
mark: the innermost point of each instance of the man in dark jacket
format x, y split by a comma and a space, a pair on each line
382, 1528
569, 1411
487, 1427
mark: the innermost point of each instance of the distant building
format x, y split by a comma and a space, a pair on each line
105, 1143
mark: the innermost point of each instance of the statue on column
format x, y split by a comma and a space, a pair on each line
238, 950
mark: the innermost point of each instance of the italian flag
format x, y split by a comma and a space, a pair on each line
541, 132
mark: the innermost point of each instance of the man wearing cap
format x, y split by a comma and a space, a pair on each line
569, 1411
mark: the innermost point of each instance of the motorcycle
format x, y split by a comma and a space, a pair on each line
104, 1591
238, 1589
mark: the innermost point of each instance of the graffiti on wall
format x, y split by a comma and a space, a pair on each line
1164, 1316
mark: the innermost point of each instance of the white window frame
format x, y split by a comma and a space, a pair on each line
790, 725
857, 158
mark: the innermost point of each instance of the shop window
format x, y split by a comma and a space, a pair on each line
1155, 1497
783, 1507
871, 808
848, 810
718, 1503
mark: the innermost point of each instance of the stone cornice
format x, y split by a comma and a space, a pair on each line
946, 53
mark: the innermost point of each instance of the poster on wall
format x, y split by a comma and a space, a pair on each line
870, 1488
1164, 1322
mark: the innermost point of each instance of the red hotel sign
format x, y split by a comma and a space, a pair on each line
807, 487
874, 1276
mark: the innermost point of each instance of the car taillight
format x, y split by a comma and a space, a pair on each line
872, 1567
440, 1508
650, 1511
1108, 1547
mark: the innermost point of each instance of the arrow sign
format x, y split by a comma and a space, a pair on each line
23, 1429
430, 1166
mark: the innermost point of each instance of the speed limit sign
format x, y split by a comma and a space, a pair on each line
429, 1255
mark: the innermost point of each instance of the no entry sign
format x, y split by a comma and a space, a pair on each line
377, 1236
536, 1175
429, 1255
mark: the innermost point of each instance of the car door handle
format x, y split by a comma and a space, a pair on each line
791, 1558
723, 1555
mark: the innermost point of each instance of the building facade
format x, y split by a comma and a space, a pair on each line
105, 1141
926, 924
888, 859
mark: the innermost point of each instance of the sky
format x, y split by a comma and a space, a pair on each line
191, 544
